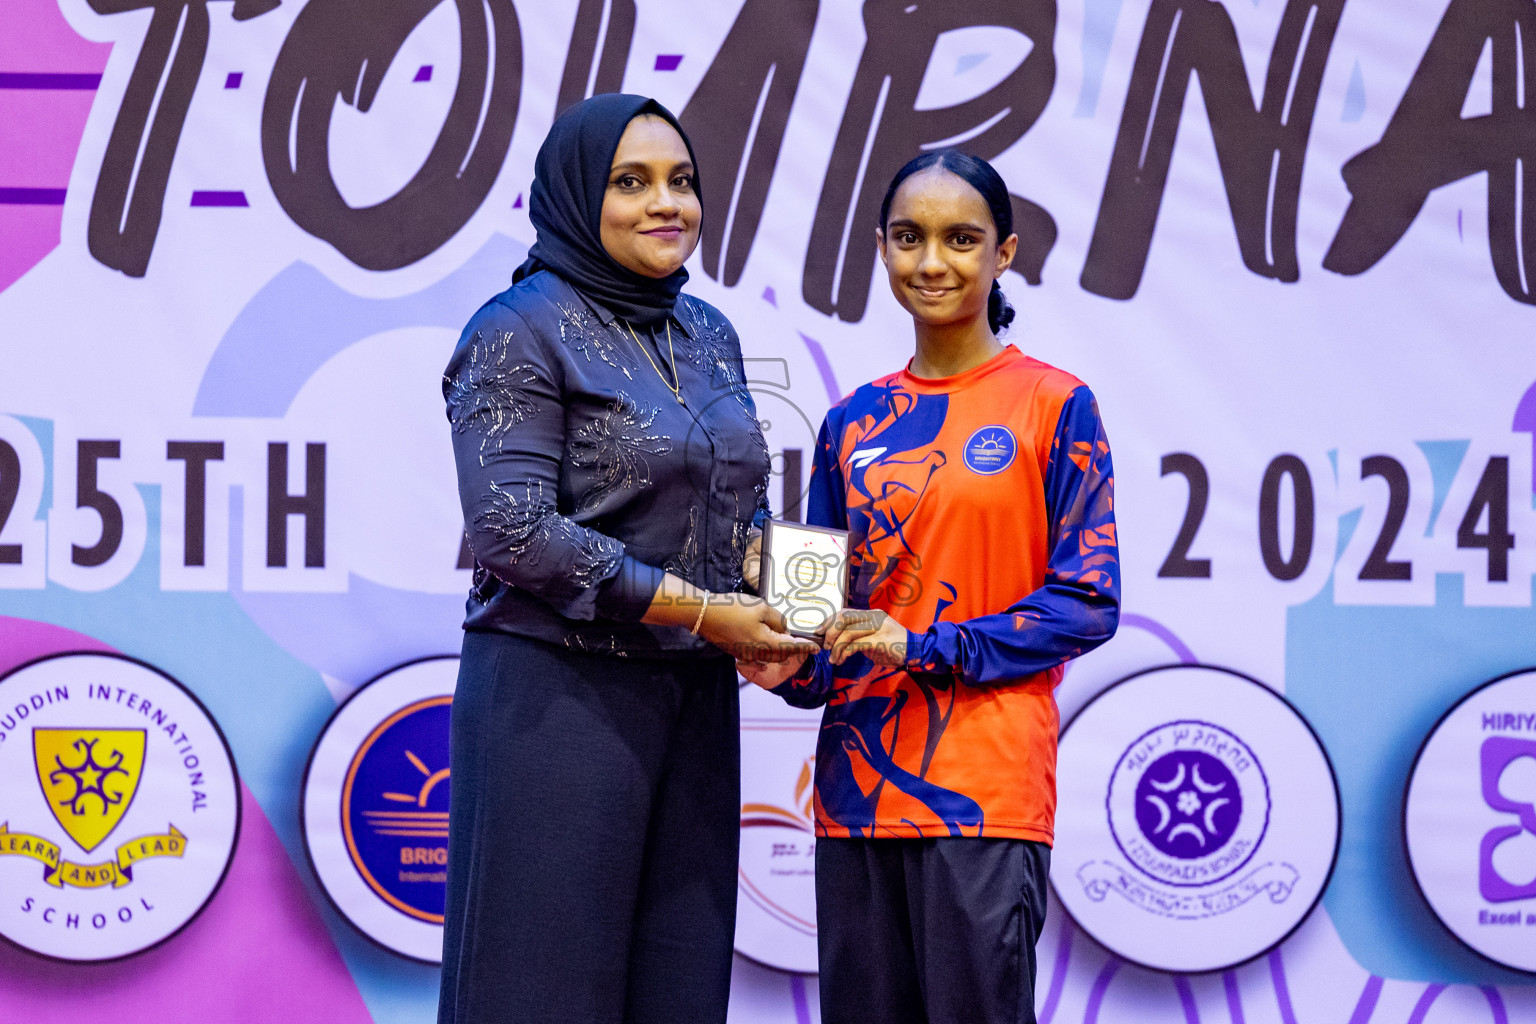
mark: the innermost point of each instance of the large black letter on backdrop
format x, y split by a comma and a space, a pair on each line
599, 50
1304, 518
1428, 144
881, 131
122, 227
310, 505
10, 487
343, 48
88, 494
1261, 150
736, 120
1178, 564
197, 455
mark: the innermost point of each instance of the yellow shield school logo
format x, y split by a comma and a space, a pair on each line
124, 764
89, 777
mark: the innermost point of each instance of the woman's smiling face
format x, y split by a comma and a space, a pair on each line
651, 212
940, 248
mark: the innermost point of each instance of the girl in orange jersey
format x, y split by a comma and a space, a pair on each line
977, 489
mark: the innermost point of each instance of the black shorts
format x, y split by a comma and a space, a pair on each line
929, 931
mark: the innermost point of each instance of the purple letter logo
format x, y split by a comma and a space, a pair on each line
1498, 753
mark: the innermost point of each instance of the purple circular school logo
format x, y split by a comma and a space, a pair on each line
1187, 845
1188, 803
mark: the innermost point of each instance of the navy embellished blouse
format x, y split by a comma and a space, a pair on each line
583, 475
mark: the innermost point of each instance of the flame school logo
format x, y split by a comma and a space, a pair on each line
375, 807
776, 870
122, 806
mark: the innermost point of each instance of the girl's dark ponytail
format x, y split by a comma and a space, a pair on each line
981, 176
999, 312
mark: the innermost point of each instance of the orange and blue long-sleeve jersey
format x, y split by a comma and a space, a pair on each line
980, 509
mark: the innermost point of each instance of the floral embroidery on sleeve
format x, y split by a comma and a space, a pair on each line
487, 396
616, 445
528, 525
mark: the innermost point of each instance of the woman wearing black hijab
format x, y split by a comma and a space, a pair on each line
612, 473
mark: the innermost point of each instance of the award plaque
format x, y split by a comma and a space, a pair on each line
804, 573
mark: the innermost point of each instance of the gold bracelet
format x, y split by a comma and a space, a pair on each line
702, 609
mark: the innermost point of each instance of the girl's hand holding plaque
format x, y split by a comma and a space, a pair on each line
804, 574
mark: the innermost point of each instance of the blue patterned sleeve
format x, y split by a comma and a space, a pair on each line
827, 506
505, 406
1078, 606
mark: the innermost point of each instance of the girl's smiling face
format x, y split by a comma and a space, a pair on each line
941, 250
651, 212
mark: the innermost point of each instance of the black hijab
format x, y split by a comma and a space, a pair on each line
570, 178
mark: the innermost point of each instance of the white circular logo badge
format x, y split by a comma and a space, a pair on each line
119, 807
776, 872
1469, 818
375, 807
1197, 819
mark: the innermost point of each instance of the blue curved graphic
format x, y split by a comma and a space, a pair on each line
300, 319
287, 332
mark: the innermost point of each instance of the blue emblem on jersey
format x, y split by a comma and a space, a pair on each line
394, 809
990, 450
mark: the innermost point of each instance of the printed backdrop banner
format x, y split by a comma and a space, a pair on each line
1289, 243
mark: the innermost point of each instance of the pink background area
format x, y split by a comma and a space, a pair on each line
258, 952
37, 38
41, 127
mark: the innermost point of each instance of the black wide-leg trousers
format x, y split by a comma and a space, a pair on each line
593, 830
929, 931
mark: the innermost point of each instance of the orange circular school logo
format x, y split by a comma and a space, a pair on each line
375, 807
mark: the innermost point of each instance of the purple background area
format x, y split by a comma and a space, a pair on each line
214, 197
